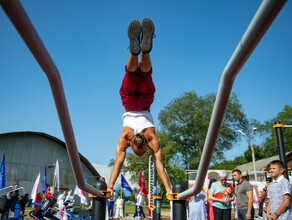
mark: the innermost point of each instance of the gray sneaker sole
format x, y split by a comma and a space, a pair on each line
147, 35
134, 31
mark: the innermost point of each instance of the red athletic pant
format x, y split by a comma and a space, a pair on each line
137, 90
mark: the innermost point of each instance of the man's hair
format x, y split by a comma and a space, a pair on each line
237, 170
139, 140
278, 162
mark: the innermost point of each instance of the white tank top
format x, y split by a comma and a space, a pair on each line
138, 120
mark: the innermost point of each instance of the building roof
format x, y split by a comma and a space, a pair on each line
260, 164
82, 158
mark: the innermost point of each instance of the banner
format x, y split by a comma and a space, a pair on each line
45, 181
36, 189
125, 184
57, 174
2, 171
81, 194
142, 184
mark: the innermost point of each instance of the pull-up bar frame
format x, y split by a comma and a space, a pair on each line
262, 20
25, 28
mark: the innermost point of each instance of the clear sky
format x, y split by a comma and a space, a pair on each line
88, 43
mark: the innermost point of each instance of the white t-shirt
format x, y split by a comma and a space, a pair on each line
119, 203
139, 200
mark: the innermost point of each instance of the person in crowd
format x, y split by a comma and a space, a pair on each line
279, 193
265, 200
244, 197
111, 202
198, 207
210, 215
136, 194
14, 193
119, 207
61, 199
221, 193
48, 193
139, 205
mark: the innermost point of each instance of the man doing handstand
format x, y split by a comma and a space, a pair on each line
137, 94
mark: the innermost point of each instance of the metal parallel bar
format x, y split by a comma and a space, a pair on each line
25, 28
263, 18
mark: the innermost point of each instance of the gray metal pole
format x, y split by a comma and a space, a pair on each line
262, 20
281, 148
179, 207
25, 28
99, 203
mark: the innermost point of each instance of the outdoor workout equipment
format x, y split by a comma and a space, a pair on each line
262, 20
281, 148
99, 202
25, 28
155, 198
46, 209
16, 203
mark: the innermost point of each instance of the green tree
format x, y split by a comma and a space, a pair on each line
185, 122
270, 146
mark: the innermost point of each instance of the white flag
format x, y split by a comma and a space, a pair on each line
37, 188
57, 174
81, 194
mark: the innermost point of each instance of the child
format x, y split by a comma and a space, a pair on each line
279, 193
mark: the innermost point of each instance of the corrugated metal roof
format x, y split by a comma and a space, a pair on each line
82, 158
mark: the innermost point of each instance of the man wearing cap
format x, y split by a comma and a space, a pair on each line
244, 196
221, 193
137, 94
48, 194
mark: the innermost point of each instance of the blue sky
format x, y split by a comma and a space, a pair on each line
88, 43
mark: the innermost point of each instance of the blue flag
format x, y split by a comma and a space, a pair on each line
45, 181
125, 184
2, 172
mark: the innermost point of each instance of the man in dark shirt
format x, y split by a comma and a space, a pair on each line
244, 196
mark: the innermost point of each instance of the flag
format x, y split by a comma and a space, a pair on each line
125, 184
142, 184
81, 194
57, 174
2, 171
36, 192
85, 179
45, 181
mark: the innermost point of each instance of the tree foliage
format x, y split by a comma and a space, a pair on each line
185, 121
270, 146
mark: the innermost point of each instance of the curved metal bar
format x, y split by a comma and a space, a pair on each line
25, 28
262, 20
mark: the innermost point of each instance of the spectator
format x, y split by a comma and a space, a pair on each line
61, 199
210, 202
198, 207
48, 195
279, 193
139, 204
136, 194
111, 202
244, 197
119, 207
222, 196
265, 200
14, 193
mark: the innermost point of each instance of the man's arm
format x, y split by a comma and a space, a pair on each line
120, 157
156, 156
249, 195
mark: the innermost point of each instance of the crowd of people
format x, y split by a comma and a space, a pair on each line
276, 202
